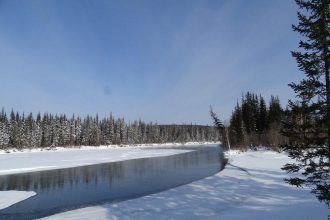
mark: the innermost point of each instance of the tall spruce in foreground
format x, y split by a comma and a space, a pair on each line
307, 122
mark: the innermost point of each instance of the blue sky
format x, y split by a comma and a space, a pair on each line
161, 61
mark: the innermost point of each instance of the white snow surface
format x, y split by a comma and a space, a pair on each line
8, 198
37, 159
232, 193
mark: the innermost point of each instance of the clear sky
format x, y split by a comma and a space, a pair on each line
161, 61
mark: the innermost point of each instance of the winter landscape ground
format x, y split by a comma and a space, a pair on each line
257, 192
36, 159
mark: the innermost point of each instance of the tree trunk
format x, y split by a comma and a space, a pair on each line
326, 57
327, 85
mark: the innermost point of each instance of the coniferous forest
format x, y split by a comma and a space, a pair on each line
254, 123
48, 130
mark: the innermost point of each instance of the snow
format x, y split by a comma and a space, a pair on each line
255, 192
36, 160
135, 146
8, 198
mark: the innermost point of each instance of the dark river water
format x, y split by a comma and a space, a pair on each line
66, 189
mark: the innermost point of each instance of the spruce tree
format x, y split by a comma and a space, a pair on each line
262, 115
236, 129
307, 120
222, 130
4, 130
275, 111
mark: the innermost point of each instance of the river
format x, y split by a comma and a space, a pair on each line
70, 188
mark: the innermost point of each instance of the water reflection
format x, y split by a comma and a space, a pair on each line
65, 189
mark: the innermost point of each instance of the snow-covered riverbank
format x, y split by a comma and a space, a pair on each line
230, 194
35, 160
135, 146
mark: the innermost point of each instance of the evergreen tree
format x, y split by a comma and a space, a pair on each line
307, 120
111, 134
253, 123
56, 130
72, 131
95, 132
46, 131
29, 132
250, 108
222, 131
21, 137
216, 120
4, 130
37, 132
275, 110
236, 128
262, 115
77, 132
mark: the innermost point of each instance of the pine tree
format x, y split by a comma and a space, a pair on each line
262, 115
216, 120
275, 110
21, 131
46, 131
117, 129
56, 130
111, 134
37, 132
72, 131
250, 108
122, 131
77, 132
4, 130
222, 130
253, 123
13, 130
28, 130
307, 120
236, 129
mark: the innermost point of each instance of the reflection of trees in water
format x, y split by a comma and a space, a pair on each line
77, 187
108, 173
179, 161
70, 177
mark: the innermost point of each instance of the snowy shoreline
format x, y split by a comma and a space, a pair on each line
14, 161
230, 194
135, 146
37, 160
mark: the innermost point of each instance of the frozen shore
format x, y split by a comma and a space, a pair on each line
37, 159
259, 193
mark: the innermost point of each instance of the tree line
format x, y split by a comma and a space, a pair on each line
20, 131
254, 123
